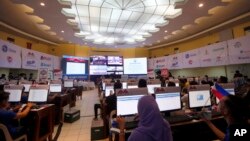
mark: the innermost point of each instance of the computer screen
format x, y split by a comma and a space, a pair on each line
132, 86
74, 68
151, 88
38, 95
168, 101
26, 87
199, 98
15, 95
177, 84
124, 85
127, 105
108, 90
55, 88
68, 84
103, 86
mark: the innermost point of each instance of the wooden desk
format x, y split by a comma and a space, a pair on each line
60, 101
41, 123
195, 130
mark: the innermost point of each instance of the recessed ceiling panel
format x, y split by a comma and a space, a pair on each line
114, 20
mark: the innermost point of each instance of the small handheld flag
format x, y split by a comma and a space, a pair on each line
218, 91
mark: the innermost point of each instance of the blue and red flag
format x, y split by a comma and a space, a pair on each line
219, 92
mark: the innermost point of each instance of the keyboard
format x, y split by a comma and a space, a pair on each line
36, 107
178, 118
216, 114
129, 118
131, 124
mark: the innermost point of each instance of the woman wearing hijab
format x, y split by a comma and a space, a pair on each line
151, 127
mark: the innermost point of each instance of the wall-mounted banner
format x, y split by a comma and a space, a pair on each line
46, 61
214, 55
30, 59
191, 59
151, 73
151, 63
57, 74
10, 55
160, 63
57, 62
239, 50
175, 61
43, 74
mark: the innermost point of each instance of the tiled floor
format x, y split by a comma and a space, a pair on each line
80, 130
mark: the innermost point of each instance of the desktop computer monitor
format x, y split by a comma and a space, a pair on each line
132, 86
168, 98
127, 105
199, 98
127, 100
151, 88
108, 90
55, 88
177, 84
124, 85
15, 95
26, 87
15, 92
68, 84
38, 95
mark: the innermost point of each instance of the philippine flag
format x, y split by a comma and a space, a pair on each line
218, 91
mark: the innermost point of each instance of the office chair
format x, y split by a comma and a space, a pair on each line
7, 134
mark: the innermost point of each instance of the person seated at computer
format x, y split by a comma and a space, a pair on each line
184, 98
7, 117
223, 79
24, 96
151, 126
237, 74
31, 77
111, 100
171, 84
11, 77
142, 83
234, 110
3, 77
246, 97
193, 82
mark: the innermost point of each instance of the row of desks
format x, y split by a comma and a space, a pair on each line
195, 130
41, 121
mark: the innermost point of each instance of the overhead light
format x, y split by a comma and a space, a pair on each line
165, 31
62, 31
42, 4
201, 5
118, 21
